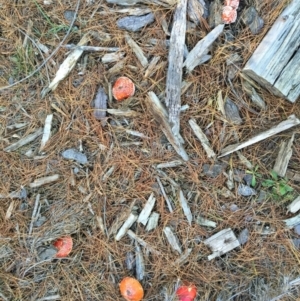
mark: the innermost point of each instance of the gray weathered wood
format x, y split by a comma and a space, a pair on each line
175, 61
294, 206
137, 50
276, 61
173, 239
145, 213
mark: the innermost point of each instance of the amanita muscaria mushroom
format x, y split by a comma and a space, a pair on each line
64, 246
123, 88
186, 292
131, 289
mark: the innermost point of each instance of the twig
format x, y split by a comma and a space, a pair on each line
91, 48
33, 216
44, 180
50, 56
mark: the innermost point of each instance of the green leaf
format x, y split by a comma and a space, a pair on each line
289, 188
274, 175
268, 183
253, 181
282, 190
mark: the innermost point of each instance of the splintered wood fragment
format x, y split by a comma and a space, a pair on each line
169, 204
244, 160
144, 215
47, 131
275, 62
173, 240
185, 207
67, 66
161, 117
174, 163
194, 57
127, 224
221, 243
292, 222
24, 141
282, 126
294, 206
100, 223
112, 57
152, 221
151, 68
136, 11
139, 262
183, 257
203, 139
92, 48
9, 210
220, 103
143, 243
284, 156
43, 181
137, 50
175, 65
123, 112
205, 222
34, 213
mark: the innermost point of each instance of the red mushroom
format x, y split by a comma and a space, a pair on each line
131, 289
123, 88
186, 293
64, 246
229, 14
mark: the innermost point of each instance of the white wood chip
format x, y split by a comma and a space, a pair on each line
47, 131
145, 213
173, 240
43, 181
294, 206
152, 221
127, 224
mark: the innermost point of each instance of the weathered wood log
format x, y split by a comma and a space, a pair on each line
276, 61
175, 61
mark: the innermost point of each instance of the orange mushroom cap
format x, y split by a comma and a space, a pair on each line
123, 88
131, 289
64, 246
186, 293
229, 14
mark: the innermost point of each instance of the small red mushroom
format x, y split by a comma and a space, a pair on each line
123, 88
131, 289
64, 246
186, 292
233, 3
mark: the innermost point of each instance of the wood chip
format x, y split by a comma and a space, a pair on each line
152, 221
294, 206
170, 164
282, 126
123, 112
100, 105
9, 210
127, 224
137, 50
183, 257
151, 68
161, 117
143, 243
47, 131
24, 141
284, 156
43, 181
195, 56
203, 139
185, 207
169, 204
139, 262
221, 243
145, 213
172, 239
205, 222
112, 57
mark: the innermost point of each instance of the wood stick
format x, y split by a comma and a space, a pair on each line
282, 126
175, 61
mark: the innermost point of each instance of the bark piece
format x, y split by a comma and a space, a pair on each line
284, 156
185, 207
203, 139
73, 154
145, 213
175, 64
232, 112
125, 227
135, 23
282, 126
24, 141
161, 117
252, 19
194, 57
137, 50
100, 105
221, 243
172, 239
